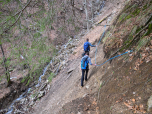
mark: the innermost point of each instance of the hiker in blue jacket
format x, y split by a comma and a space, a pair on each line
85, 67
87, 45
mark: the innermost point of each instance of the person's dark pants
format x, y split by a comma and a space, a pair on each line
84, 72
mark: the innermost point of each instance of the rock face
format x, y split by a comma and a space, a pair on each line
149, 104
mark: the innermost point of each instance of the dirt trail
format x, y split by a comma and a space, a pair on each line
66, 87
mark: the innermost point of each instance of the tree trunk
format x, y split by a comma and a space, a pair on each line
92, 11
85, 7
7, 74
72, 4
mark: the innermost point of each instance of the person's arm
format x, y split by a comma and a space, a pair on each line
89, 59
91, 45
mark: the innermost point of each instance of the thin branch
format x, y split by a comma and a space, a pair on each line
12, 24
103, 19
26, 23
19, 12
103, 25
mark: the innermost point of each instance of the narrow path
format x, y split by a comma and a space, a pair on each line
66, 87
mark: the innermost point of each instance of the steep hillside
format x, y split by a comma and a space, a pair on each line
124, 83
122, 86
66, 95
121, 83
127, 83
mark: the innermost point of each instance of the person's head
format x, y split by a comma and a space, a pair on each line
87, 40
87, 53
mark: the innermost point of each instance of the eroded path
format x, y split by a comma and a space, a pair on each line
65, 88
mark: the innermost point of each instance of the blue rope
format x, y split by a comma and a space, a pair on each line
115, 57
112, 57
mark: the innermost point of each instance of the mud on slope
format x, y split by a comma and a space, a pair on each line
125, 90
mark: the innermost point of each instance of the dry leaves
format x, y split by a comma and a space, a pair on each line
131, 104
133, 100
146, 56
94, 102
119, 100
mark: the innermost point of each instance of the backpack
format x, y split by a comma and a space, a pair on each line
86, 46
84, 63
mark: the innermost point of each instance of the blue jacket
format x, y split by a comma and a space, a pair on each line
84, 62
87, 45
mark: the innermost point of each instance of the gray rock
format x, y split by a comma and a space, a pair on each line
43, 86
22, 100
31, 103
70, 70
31, 98
41, 94
48, 87
149, 104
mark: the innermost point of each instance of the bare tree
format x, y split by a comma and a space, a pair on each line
85, 7
72, 4
7, 74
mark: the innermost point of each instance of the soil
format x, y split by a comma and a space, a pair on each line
124, 87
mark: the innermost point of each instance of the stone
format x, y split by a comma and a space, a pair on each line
41, 94
22, 100
48, 87
63, 63
147, 49
43, 87
31, 103
31, 98
87, 86
70, 70
149, 104
79, 112
85, 95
